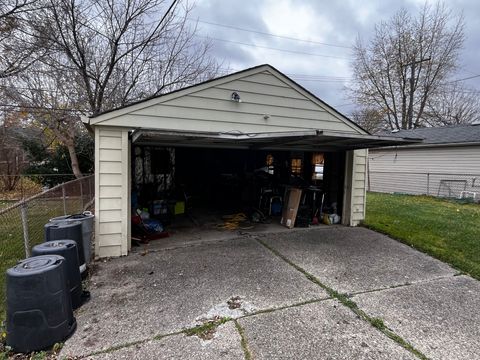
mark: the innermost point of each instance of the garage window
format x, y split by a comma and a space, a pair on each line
296, 166
318, 161
270, 164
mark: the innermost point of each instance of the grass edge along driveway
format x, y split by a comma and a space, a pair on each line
445, 229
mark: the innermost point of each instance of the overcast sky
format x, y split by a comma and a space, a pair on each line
321, 65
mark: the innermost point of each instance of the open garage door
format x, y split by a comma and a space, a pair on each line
300, 141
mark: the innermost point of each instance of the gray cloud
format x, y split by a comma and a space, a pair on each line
335, 22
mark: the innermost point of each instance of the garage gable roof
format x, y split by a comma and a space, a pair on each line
269, 102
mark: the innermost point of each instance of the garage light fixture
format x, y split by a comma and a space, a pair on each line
236, 97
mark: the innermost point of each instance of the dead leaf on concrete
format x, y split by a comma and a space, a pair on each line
234, 303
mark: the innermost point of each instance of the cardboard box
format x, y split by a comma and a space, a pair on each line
290, 208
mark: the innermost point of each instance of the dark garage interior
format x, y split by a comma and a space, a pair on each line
189, 184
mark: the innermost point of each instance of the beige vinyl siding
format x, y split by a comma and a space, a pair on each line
251, 124
354, 191
209, 108
422, 170
111, 192
258, 99
347, 189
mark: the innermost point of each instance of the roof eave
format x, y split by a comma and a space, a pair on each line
423, 145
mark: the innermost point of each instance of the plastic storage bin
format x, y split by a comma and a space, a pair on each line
67, 249
39, 309
86, 218
71, 230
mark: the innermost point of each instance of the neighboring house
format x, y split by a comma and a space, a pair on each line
446, 164
214, 130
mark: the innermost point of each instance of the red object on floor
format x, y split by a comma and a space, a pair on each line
136, 219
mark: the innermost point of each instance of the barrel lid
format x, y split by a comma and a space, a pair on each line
62, 243
86, 215
80, 216
62, 223
36, 264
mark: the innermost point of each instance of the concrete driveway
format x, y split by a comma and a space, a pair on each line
324, 293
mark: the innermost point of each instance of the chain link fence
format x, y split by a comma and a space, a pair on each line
22, 224
446, 185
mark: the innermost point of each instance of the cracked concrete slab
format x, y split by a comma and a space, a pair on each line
439, 317
233, 308
324, 330
138, 297
356, 259
225, 345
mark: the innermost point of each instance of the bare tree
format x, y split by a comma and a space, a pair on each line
12, 155
126, 50
52, 101
104, 54
453, 105
19, 45
370, 119
407, 62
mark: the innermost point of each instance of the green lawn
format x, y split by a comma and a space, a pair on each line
5, 203
445, 229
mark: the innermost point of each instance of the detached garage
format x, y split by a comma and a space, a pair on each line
242, 140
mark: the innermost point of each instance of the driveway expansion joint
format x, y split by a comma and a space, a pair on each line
280, 308
409, 283
113, 348
196, 329
129, 344
345, 300
243, 341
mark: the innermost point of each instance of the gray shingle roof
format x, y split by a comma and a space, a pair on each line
442, 135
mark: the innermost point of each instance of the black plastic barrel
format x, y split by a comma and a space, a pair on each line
71, 231
67, 249
39, 309
86, 218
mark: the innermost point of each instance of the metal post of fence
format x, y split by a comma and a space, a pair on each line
22, 188
428, 183
90, 192
81, 192
26, 239
64, 200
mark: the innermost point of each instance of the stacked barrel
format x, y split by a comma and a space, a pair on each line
43, 290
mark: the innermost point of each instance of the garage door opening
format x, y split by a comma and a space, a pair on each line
199, 188
272, 123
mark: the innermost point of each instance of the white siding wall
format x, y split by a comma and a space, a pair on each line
112, 192
210, 109
354, 191
405, 170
